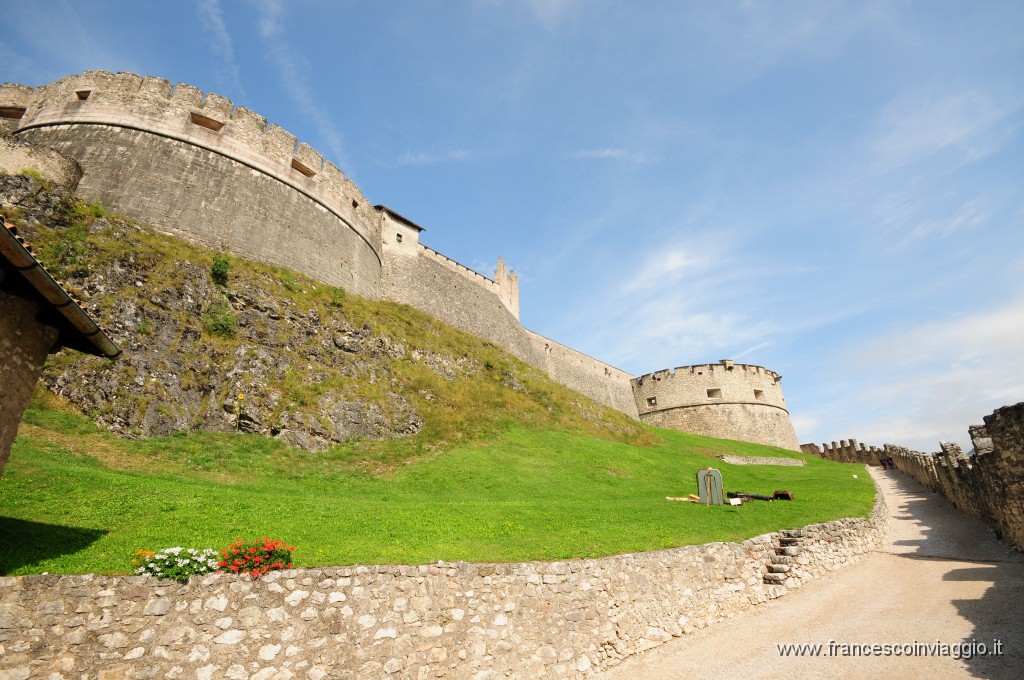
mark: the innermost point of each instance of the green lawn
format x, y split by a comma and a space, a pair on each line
74, 499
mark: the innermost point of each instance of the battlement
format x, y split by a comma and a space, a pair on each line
846, 452
196, 165
726, 399
700, 384
725, 365
185, 113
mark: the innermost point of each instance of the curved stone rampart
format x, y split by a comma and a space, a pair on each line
728, 400
199, 167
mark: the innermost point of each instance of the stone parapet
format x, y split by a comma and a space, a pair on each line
988, 485
846, 452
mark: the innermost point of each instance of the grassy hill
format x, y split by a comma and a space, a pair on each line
78, 499
369, 432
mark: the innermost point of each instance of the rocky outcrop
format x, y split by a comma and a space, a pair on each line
177, 374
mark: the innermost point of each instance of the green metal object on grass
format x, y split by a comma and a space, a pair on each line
709, 486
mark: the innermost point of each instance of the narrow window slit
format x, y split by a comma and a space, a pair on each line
206, 122
303, 168
14, 112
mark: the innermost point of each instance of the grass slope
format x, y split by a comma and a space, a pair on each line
74, 499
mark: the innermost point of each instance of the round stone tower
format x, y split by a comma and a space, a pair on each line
727, 400
198, 167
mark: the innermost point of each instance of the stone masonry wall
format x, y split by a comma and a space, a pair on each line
529, 620
52, 166
24, 345
202, 168
600, 381
846, 452
988, 485
423, 278
729, 400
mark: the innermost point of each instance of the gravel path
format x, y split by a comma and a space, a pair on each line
941, 577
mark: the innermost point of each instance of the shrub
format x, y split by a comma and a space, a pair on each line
255, 557
219, 270
36, 175
220, 320
85, 212
176, 563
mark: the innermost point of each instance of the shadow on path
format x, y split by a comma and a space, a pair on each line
927, 526
24, 543
940, 576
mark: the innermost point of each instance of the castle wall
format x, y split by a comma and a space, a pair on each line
415, 276
727, 400
24, 345
527, 620
988, 485
423, 278
53, 166
846, 452
600, 381
200, 168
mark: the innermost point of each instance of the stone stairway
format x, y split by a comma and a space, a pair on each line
785, 556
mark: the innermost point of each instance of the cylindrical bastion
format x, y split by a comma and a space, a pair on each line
201, 168
727, 400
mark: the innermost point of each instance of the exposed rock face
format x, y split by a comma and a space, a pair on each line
175, 375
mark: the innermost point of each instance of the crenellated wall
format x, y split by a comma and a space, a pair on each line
988, 485
489, 308
199, 167
846, 452
729, 400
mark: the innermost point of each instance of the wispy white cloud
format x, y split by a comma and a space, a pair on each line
550, 14
553, 13
415, 158
226, 73
917, 125
612, 153
663, 270
929, 382
293, 72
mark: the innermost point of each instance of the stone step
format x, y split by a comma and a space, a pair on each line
778, 568
774, 578
793, 533
783, 559
789, 540
789, 550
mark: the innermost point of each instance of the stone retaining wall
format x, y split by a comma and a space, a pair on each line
530, 620
758, 460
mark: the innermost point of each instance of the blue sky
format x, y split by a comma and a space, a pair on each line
831, 190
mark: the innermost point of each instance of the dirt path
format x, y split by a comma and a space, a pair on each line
941, 577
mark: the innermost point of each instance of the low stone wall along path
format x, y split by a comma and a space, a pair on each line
940, 576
